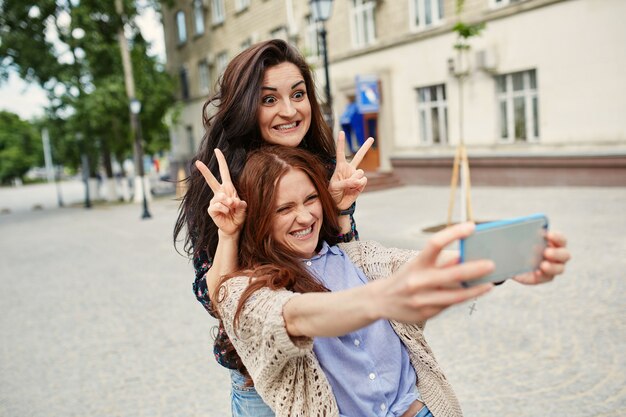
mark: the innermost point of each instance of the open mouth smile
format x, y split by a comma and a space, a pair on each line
287, 126
302, 234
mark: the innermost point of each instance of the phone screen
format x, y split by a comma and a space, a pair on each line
515, 246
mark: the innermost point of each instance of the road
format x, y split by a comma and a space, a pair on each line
98, 318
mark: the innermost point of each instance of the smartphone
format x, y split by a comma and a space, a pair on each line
515, 246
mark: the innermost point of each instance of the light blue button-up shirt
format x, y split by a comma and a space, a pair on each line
369, 370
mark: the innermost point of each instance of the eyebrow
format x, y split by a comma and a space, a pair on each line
290, 203
264, 87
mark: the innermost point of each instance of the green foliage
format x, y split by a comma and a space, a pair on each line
155, 91
464, 30
24, 47
83, 75
20, 147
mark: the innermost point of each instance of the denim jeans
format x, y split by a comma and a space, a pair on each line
245, 401
424, 412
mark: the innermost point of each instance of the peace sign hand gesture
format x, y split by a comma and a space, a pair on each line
225, 208
347, 181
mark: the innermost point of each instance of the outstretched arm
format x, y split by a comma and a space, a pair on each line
420, 289
228, 212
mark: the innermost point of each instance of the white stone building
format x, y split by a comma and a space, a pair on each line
544, 98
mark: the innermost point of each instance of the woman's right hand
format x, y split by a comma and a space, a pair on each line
347, 182
226, 209
423, 287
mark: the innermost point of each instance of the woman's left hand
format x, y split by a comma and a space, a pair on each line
347, 181
555, 256
226, 209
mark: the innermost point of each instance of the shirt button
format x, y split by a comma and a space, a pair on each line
309, 263
383, 407
372, 376
357, 342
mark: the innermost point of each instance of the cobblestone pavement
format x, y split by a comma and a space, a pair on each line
98, 318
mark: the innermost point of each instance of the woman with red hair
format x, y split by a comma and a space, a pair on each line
328, 329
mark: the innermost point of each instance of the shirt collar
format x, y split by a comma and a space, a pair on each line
325, 249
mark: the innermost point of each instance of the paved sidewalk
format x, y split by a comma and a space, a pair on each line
98, 318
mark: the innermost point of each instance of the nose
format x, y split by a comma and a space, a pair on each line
287, 109
304, 216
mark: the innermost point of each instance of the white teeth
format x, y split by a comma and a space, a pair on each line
285, 127
303, 232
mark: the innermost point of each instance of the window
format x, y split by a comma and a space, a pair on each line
312, 44
241, 5
363, 22
425, 13
222, 62
184, 83
432, 112
203, 77
198, 16
500, 3
182, 29
190, 140
279, 33
217, 11
246, 44
518, 106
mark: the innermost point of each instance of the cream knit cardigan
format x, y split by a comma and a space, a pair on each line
286, 372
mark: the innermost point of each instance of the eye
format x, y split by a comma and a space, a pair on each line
311, 198
268, 100
283, 209
299, 95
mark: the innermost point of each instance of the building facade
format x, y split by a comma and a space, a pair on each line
539, 98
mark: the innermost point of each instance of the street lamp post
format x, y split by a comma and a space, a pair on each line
321, 11
135, 108
84, 159
57, 178
85, 163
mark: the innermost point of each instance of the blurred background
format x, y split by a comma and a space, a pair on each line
101, 109
533, 89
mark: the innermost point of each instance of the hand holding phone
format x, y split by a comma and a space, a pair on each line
515, 246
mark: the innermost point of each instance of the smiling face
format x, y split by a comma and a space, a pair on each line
298, 213
284, 113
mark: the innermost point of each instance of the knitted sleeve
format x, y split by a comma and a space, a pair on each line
285, 371
375, 260
261, 338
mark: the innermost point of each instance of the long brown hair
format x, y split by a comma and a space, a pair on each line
272, 264
233, 128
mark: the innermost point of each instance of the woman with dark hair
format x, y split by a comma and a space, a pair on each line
265, 95
337, 330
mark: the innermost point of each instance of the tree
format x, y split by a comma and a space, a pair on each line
20, 147
70, 49
460, 165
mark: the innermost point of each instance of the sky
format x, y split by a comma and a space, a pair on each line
29, 100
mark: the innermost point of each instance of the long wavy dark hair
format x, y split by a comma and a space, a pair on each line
274, 265
233, 128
